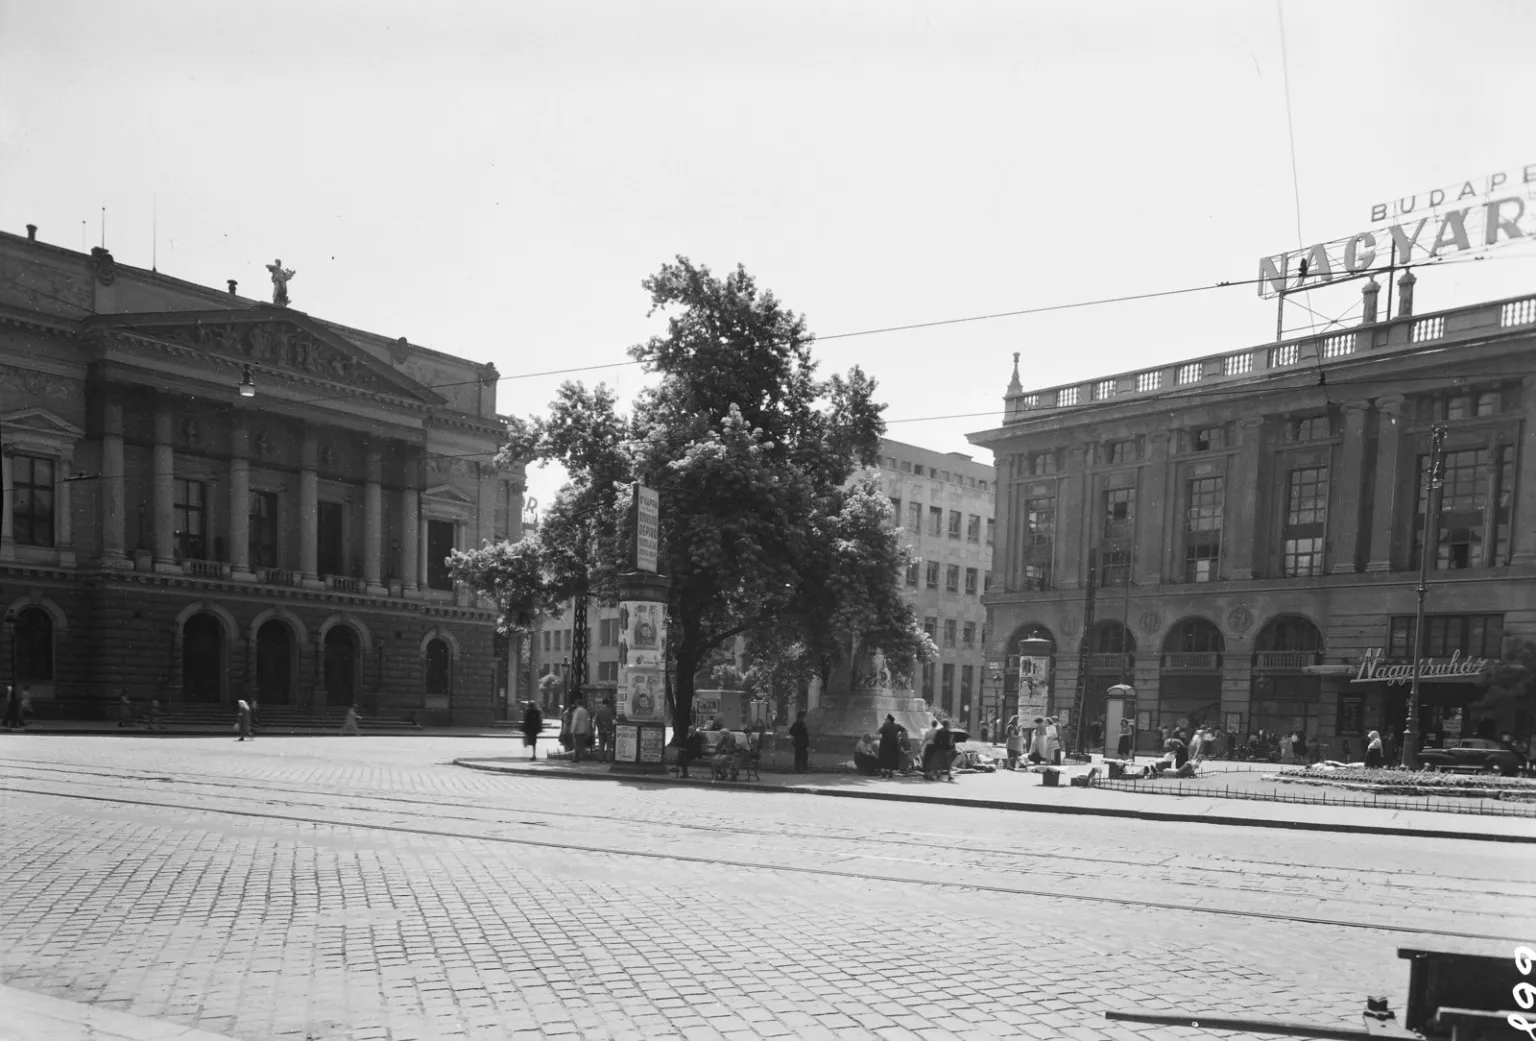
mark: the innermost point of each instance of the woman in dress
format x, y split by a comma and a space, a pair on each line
890, 747
1373, 757
1015, 743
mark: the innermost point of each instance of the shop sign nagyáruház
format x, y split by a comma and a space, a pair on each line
1376, 668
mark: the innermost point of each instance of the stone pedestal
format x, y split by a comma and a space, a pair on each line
859, 704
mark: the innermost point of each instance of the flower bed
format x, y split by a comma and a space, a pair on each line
1404, 782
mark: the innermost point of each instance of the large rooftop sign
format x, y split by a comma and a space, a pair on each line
1470, 217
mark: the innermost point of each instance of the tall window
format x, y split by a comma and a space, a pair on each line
912, 573
986, 582
954, 524
966, 672
896, 509
1039, 541
1207, 439
607, 672
1202, 536
970, 581
973, 528
915, 518
32, 500
928, 680
1474, 508
1121, 452
949, 632
331, 555
968, 634
191, 508
608, 632
948, 672
936, 521
952, 578
932, 576
1474, 635
439, 545
1119, 530
1312, 428
991, 530
1306, 517
262, 542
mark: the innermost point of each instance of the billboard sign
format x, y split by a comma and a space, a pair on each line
642, 691
1473, 217
647, 527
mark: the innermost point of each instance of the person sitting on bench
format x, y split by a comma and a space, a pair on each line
1175, 758
724, 761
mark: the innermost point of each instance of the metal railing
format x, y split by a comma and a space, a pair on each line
342, 584
1463, 804
1285, 661
1192, 661
274, 576
204, 568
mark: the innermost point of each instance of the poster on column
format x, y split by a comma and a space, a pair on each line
642, 647
1034, 686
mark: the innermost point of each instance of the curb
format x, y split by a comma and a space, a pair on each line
992, 804
125, 732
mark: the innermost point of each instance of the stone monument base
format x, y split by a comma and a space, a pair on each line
853, 715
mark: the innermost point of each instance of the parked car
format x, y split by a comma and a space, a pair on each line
1476, 752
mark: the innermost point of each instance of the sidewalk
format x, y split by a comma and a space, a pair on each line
28, 1016
82, 728
1022, 791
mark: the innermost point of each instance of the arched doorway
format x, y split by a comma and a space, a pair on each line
1189, 681
341, 666
1283, 697
33, 648
1111, 660
439, 668
274, 663
202, 659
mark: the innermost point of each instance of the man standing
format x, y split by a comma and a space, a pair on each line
13, 720
605, 721
800, 737
581, 728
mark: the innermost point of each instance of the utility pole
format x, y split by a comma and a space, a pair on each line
1432, 494
1084, 651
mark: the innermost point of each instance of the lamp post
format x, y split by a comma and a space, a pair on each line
1410, 756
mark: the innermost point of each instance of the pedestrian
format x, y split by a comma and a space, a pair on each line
124, 710
1053, 741
925, 749
800, 738
605, 727
890, 746
1299, 748
1039, 749
1015, 737
243, 720
581, 729
1373, 752
350, 724
154, 722
533, 725
943, 752
1125, 746
255, 715
984, 734
1348, 750
691, 751
13, 719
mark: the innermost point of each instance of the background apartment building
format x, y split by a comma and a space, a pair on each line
1252, 522
944, 503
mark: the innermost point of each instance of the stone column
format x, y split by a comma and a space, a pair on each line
1523, 522
7, 497
113, 538
1005, 552
1070, 512
1387, 499
1151, 545
410, 505
1242, 496
309, 512
240, 502
164, 493
63, 519
373, 521
1347, 493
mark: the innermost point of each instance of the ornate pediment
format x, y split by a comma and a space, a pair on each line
448, 493
39, 422
272, 341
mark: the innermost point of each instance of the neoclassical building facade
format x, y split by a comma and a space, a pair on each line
1251, 524
168, 534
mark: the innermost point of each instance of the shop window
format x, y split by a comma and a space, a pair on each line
32, 500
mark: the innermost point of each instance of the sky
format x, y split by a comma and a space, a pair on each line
494, 179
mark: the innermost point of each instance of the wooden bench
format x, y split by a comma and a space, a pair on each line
749, 752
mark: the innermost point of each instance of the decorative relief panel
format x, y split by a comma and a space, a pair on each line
275, 344
38, 385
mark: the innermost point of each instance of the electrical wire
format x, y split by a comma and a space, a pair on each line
1290, 126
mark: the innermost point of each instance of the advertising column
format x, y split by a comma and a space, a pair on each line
640, 734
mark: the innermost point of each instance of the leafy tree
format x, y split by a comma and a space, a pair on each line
764, 532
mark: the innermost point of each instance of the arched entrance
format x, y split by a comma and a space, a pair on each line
1189, 681
274, 663
202, 659
1284, 698
439, 671
341, 666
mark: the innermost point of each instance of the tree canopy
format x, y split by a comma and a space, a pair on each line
768, 528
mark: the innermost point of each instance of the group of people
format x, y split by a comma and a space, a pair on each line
888, 751
581, 732
1038, 744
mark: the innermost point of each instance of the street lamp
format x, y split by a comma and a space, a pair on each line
1410, 756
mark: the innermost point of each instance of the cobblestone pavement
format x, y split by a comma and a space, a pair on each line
365, 888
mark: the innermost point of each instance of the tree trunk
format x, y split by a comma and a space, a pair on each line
688, 659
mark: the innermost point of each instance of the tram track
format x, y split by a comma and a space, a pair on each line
261, 806
1438, 879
